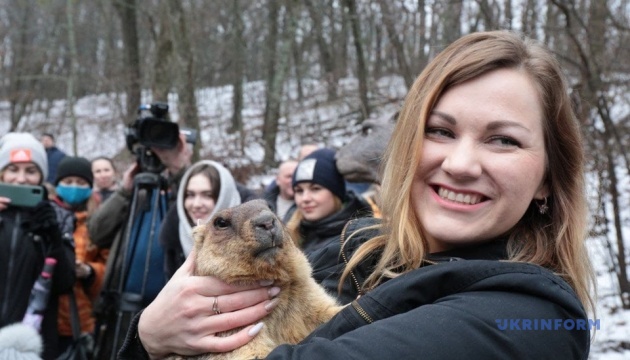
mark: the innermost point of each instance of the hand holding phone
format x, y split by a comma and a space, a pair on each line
4, 202
20, 195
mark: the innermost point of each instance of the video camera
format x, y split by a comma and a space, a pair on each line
153, 128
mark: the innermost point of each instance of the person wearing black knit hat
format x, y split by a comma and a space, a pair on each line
324, 205
74, 192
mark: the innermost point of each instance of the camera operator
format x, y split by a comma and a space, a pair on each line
108, 223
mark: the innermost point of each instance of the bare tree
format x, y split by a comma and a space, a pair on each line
589, 59
185, 73
397, 44
277, 71
362, 71
238, 65
126, 10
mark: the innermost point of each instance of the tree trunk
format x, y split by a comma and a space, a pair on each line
127, 12
162, 67
278, 67
188, 114
72, 76
326, 58
238, 64
362, 72
452, 28
397, 44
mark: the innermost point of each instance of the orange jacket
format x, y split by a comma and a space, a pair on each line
84, 292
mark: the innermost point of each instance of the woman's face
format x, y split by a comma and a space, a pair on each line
104, 176
483, 160
314, 201
22, 174
198, 201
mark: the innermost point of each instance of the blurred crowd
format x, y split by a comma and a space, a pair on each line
118, 236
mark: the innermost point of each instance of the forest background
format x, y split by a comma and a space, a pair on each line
285, 72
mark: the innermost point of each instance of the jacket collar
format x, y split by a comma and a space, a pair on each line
491, 250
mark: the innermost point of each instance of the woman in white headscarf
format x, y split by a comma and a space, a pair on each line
205, 188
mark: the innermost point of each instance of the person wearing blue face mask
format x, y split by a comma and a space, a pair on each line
73, 186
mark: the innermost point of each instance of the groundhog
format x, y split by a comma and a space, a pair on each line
246, 244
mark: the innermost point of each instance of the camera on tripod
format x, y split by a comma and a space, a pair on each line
153, 128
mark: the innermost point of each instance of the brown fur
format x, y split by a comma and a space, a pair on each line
231, 246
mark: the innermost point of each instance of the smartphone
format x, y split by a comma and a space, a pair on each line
22, 195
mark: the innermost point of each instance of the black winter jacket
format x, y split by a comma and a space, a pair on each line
22, 256
317, 234
451, 308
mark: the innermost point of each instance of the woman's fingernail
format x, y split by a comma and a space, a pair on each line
274, 291
255, 330
272, 304
265, 282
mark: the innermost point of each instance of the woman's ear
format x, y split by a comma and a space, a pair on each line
542, 192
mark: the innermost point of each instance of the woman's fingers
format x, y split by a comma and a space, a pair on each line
234, 341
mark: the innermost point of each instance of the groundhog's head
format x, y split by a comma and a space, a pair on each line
245, 244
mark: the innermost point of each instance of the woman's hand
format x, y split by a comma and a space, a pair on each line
4, 202
189, 310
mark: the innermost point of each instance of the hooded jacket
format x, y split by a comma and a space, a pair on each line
178, 244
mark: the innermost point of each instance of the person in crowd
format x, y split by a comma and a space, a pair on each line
53, 154
28, 236
206, 188
484, 219
74, 192
105, 177
280, 197
107, 227
323, 204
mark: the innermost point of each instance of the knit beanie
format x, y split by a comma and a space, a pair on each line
21, 148
75, 166
319, 168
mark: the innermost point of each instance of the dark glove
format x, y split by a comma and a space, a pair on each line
42, 221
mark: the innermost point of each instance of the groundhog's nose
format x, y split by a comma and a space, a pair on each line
265, 221
268, 230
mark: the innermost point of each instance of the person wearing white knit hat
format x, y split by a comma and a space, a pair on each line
22, 159
29, 235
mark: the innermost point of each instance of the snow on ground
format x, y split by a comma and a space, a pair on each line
101, 132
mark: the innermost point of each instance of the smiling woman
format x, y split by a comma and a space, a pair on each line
206, 188
483, 160
484, 219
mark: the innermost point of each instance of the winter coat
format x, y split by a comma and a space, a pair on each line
317, 234
54, 157
85, 290
453, 307
22, 256
176, 231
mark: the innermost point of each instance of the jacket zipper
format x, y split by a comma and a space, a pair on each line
345, 258
364, 315
14, 236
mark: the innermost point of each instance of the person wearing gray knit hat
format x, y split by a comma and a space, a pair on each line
23, 148
319, 168
323, 204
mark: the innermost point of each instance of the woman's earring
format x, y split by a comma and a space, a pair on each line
543, 208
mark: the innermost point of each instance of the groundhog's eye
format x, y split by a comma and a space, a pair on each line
221, 223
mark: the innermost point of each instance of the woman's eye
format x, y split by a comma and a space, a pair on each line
438, 132
221, 223
504, 141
